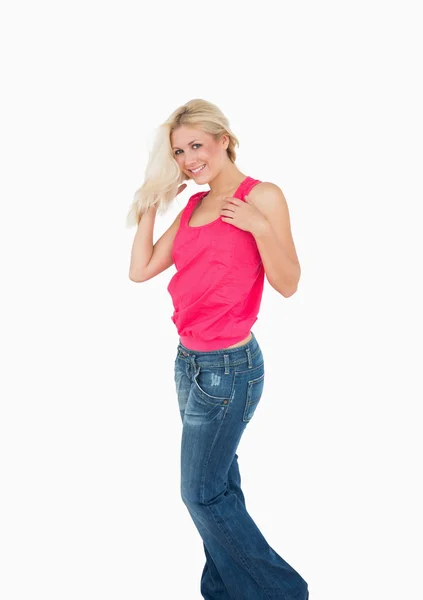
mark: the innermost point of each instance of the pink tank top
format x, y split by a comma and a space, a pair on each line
217, 289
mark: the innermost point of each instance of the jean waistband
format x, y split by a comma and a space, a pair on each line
225, 357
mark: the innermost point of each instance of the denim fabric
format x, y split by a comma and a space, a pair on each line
218, 393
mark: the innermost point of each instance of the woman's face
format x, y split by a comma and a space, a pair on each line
194, 149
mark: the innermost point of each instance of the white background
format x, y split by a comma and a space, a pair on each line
325, 99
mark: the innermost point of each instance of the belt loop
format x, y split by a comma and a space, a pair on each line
226, 359
250, 362
194, 364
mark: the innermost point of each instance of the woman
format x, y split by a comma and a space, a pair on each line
222, 243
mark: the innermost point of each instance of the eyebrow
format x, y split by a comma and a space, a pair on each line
176, 147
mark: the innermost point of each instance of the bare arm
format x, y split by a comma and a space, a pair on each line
147, 260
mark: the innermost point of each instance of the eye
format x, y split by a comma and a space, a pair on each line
177, 151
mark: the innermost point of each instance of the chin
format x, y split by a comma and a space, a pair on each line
205, 180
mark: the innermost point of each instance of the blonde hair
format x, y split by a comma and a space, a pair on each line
163, 175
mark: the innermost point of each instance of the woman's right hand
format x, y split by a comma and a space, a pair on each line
181, 188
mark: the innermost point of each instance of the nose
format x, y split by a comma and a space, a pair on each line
190, 160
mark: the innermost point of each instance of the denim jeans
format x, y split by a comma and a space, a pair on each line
218, 394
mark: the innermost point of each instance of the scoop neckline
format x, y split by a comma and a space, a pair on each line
203, 194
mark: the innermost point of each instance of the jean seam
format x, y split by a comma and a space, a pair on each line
211, 509
234, 364
206, 462
235, 549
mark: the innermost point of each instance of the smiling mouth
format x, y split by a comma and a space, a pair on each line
195, 171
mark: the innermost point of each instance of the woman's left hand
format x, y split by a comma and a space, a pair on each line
242, 214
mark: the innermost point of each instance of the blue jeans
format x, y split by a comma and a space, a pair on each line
218, 394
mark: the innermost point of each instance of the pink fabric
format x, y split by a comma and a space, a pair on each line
218, 287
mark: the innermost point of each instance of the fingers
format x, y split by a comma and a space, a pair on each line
181, 188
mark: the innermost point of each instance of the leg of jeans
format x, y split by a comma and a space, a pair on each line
212, 586
248, 566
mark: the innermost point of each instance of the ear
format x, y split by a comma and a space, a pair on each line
225, 139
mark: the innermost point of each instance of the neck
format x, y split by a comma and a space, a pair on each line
228, 179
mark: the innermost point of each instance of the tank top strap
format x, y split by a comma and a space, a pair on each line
246, 187
190, 207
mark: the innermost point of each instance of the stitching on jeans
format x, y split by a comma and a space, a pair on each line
206, 462
235, 549
210, 364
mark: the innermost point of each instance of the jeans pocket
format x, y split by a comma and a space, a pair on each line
254, 393
213, 385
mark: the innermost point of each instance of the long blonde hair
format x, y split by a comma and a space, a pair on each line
163, 175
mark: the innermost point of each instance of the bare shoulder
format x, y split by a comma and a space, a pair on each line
269, 199
265, 193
